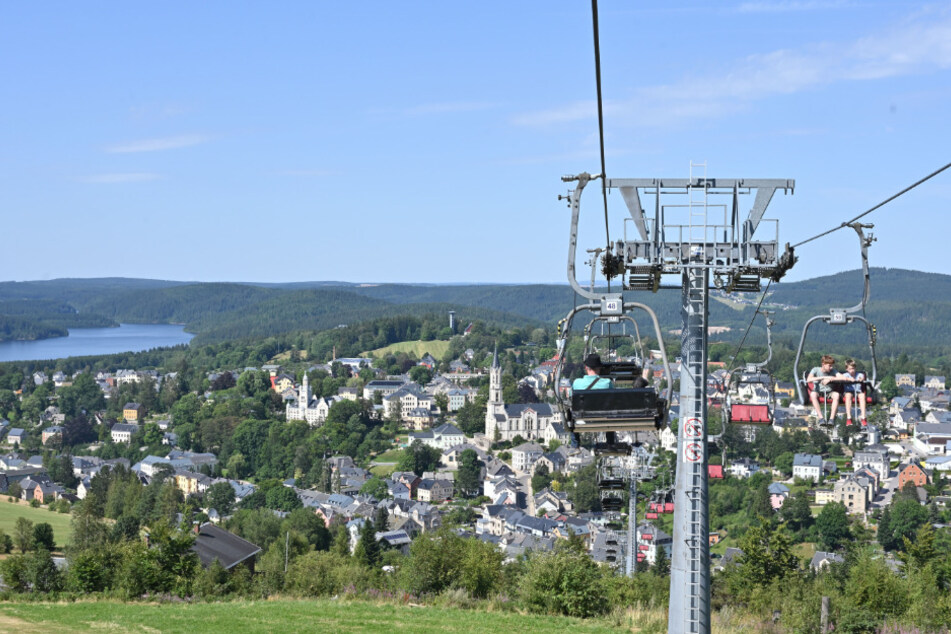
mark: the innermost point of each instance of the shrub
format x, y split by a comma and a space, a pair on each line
433, 563
6, 543
324, 573
565, 581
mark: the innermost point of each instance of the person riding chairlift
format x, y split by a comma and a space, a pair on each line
592, 379
854, 387
821, 378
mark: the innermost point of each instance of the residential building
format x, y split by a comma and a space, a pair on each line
778, 492
877, 460
434, 491
191, 483
216, 544
934, 382
406, 399
785, 389
854, 493
450, 457
807, 466
649, 539
384, 387
932, 438
442, 437
824, 496
133, 412
349, 393
525, 455
283, 382
123, 432
743, 468
52, 432
822, 559
418, 418
458, 397
905, 379
912, 473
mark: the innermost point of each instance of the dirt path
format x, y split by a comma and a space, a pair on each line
12, 624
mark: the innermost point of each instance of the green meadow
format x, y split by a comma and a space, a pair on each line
10, 511
279, 616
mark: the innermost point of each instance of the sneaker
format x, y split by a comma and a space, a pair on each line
820, 421
864, 423
848, 422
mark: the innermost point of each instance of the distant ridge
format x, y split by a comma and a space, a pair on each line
909, 308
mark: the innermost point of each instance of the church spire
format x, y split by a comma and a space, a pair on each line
495, 356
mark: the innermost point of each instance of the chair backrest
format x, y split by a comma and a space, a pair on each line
614, 399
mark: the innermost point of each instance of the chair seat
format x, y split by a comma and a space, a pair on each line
750, 414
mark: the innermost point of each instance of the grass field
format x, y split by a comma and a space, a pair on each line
283, 616
383, 470
737, 306
417, 348
393, 455
10, 511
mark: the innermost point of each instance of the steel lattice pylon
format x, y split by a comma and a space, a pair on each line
713, 240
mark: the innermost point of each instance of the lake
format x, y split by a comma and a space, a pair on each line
83, 342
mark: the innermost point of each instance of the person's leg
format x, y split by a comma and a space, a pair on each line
848, 408
814, 397
835, 406
860, 395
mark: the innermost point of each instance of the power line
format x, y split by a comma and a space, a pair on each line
750, 325
881, 204
597, 75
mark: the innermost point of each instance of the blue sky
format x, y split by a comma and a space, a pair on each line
425, 141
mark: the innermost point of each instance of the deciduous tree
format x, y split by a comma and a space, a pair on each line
833, 526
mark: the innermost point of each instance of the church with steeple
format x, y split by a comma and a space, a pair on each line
308, 407
532, 421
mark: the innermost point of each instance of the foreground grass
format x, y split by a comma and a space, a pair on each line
10, 511
283, 616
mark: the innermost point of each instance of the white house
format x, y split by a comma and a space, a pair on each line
525, 455
807, 466
123, 432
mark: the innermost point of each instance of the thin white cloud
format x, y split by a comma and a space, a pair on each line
127, 177
157, 145
912, 48
785, 6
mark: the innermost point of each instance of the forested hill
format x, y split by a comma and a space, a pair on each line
909, 308
215, 312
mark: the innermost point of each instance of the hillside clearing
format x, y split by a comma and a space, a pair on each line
10, 511
416, 348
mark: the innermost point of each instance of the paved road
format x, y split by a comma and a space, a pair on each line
884, 497
526, 482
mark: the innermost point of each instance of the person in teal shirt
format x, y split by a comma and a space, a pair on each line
592, 379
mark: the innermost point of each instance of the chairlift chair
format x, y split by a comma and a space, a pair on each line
611, 477
841, 317
623, 407
755, 374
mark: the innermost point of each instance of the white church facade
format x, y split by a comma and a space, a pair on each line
532, 421
313, 409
